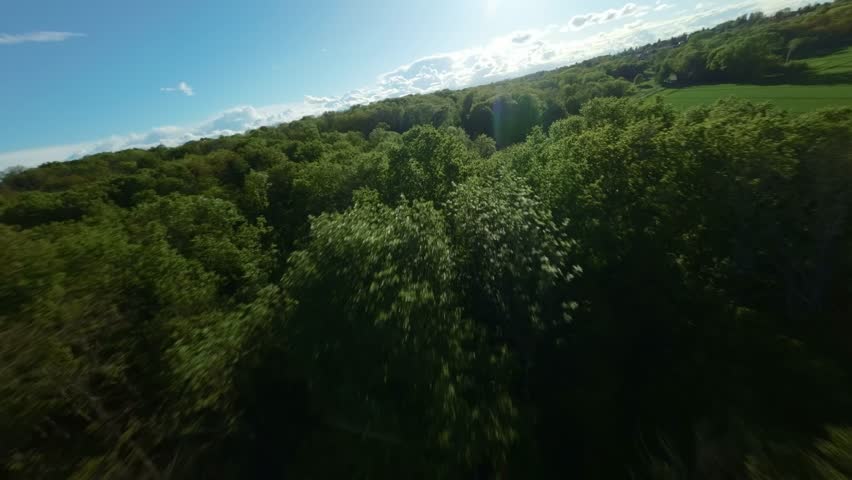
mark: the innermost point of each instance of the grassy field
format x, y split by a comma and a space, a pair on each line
836, 63
795, 98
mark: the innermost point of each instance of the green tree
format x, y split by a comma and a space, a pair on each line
513, 259
746, 59
373, 320
427, 163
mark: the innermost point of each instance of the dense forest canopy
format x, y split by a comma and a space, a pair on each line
548, 277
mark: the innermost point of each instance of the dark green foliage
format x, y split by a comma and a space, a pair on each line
427, 164
750, 58
512, 257
380, 338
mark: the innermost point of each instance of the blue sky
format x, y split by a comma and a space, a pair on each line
95, 75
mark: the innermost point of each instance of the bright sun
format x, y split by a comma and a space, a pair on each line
491, 6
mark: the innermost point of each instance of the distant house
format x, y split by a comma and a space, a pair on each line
672, 78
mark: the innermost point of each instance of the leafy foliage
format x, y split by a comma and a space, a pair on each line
538, 278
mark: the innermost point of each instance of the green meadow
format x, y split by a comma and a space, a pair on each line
820, 92
795, 98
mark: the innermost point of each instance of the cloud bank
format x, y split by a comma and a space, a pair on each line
41, 37
628, 10
512, 55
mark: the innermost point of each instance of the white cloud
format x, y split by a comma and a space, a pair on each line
12, 39
521, 38
230, 122
182, 87
36, 156
504, 57
312, 100
579, 22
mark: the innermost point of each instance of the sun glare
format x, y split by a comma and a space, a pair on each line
491, 7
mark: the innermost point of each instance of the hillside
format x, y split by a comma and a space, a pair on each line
827, 82
609, 270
